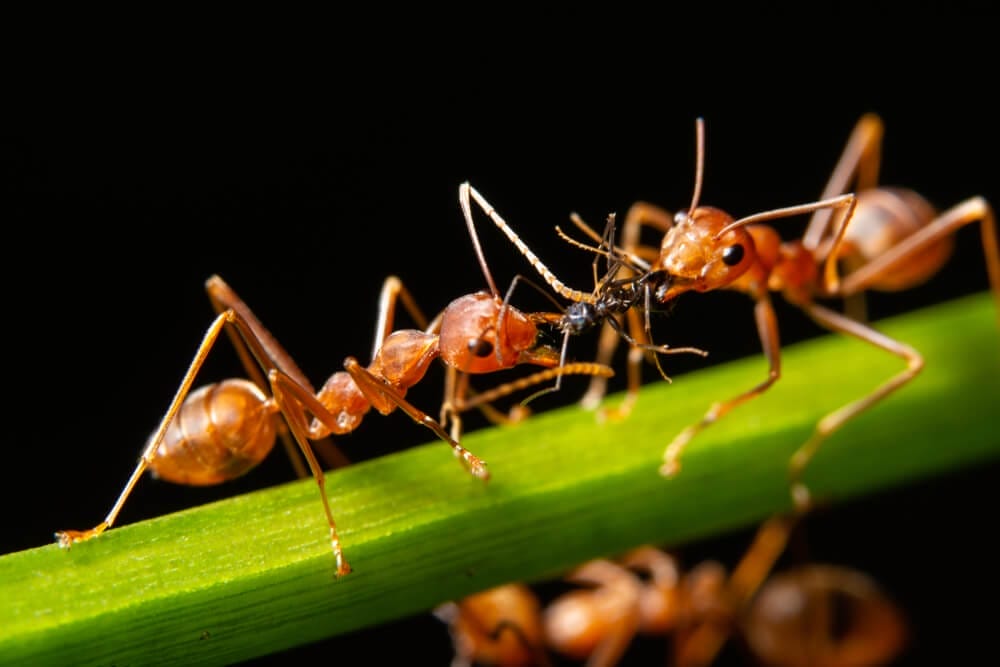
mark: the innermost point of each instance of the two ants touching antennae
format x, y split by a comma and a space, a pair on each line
221, 431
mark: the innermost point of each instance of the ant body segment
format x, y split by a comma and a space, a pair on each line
221, 431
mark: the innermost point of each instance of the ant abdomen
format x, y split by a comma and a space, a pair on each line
824, 615
883, 218
221, 432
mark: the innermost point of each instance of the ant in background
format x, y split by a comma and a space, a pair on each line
886, 239
501, 626
813, 615
222, 430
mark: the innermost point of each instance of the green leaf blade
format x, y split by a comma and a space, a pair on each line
252, 575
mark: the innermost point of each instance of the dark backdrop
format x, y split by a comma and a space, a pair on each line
305, 179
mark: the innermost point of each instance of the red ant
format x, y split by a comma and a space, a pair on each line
500, 626
221, 431
889, 238
811, 615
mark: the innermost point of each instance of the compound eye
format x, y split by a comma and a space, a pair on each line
480, 347
733, 255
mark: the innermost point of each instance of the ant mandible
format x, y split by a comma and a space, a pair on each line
221, 431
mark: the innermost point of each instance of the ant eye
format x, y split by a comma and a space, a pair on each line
480, 347
732, 255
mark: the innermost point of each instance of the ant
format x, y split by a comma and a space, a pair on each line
221, 431
611, 299
500, 626
888, 238
813, 614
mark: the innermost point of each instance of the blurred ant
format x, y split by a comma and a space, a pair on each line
887, 238
813, 615
221, 431
500, 626
611, 299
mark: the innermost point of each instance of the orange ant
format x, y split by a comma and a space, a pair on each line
500, 626
814, 614
221, 431
889, 238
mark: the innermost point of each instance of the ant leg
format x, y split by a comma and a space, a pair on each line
616, 584
281, 382
67, 537
640, 257
858, 164
966, 212
703, 643
223, 298
637, 352
644, 214
639, 214
295, 399
827, 425
767, 329
480, 399
598, 387
768, 545
456, 388
291, 397
460, 397
392, 291
382, 395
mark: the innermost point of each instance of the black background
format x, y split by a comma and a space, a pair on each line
304, 176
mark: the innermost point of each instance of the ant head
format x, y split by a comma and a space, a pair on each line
474, 338
499, 626
577, 622
694, 254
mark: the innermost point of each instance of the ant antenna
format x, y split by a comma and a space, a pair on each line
581, 245
699, 170
463, 199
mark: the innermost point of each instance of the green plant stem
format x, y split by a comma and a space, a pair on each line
254, 574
